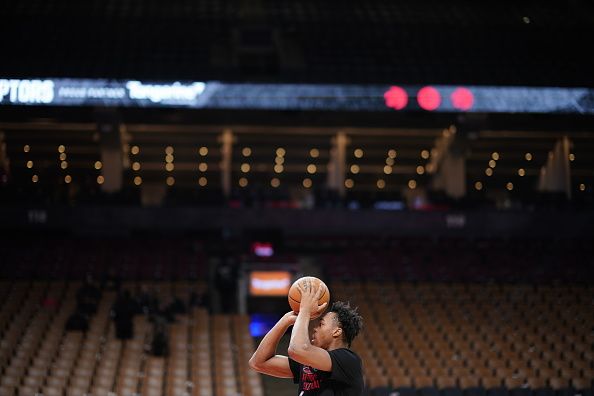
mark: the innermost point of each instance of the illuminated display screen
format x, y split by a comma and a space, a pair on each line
245, 96
270, 283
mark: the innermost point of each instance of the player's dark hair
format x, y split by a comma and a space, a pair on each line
350, 320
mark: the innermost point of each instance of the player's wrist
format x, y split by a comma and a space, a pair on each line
288, 319
305, 309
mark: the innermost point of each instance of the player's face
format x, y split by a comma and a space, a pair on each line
323, 333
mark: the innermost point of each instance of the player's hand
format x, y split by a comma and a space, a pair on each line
310, 295
290, 318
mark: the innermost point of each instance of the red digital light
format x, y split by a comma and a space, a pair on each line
429, 98
396, 98
462, 99
263, 249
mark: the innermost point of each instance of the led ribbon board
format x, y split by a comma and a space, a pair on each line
246, 96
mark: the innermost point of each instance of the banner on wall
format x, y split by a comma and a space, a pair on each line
303, 97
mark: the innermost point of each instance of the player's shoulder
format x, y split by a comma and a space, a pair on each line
345, 353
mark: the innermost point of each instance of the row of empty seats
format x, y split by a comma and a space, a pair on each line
470, 335
207, 354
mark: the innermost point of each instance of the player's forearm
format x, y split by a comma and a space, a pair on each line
267, 347
300, 335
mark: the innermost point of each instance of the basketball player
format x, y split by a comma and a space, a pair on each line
323, 364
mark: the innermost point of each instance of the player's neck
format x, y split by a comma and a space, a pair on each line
337, 345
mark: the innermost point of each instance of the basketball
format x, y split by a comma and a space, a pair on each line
295, 295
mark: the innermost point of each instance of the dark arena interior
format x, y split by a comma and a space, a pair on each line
169, 168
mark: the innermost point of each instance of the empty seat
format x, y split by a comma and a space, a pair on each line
6, 390
491, 382
581, 383
401, 381
28, 390
423, 382
536, 382
512, 382
444, 382
52, 391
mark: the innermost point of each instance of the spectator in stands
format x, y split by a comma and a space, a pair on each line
200, 300
147, 301
164, 312
123, 312
176, 307
111, 281
322, 364
159, 344
78, 321
226, 283
88, 296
